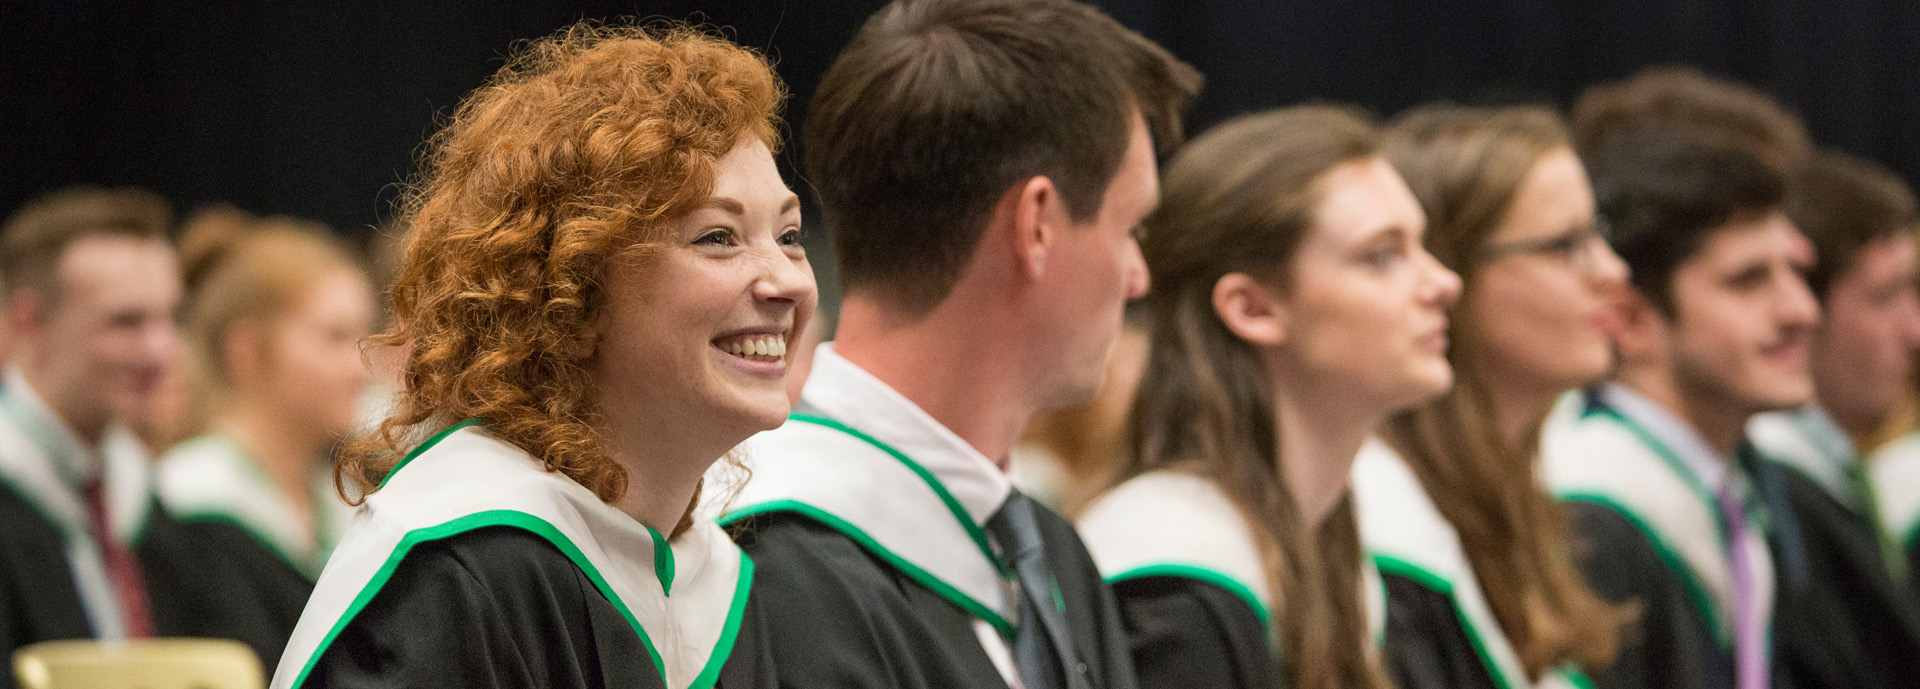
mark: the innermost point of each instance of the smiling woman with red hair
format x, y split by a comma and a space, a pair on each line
603, 273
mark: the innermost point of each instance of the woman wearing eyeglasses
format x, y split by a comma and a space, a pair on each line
1481, 585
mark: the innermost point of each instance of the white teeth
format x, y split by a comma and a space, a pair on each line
771, 346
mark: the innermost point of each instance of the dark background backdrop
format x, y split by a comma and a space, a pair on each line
318, 108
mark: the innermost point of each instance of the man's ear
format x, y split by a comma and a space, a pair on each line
1029, 220
1251, 310
27, 312
1642, 327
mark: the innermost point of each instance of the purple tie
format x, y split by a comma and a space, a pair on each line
1749, 632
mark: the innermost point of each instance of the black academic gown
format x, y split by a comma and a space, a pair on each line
839, 616
1668, 644
38, 601
473, 566
255, 592
1184, 632
1425, 646
1847, 623
499, 608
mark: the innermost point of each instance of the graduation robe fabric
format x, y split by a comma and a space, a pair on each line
1441, 631
254, 551
473, 566
1649, 533
1895, 471
871, 574
1193, 595
1845, 620
53, 581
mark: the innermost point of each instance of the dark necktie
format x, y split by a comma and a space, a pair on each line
1043, 651
122, 568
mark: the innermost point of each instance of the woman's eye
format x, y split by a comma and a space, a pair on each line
790, 238
716, 238
1381, 257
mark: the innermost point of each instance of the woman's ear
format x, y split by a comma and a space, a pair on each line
244, 351
586, 343
1250, 309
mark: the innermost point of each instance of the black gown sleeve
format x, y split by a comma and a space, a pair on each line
1849, 624
1188, 633
37, 598
498, 608
1426, 645
838, 617
1667, 644
214, 579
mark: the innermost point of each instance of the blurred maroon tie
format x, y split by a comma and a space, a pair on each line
122, 567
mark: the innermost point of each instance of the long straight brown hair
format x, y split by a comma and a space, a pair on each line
1466, 166
1240, 199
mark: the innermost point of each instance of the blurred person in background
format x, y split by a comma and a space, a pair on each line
1294, 308
1678, 512
1853, 620
275, 309
1482, 590
91, 289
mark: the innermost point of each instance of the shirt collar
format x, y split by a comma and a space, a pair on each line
73, 460
849, 394
1672, 431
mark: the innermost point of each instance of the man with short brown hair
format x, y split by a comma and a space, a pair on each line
982, 165
90, 288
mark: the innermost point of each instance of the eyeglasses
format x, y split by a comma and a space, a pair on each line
1574, 247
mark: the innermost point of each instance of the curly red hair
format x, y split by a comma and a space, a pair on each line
581, 149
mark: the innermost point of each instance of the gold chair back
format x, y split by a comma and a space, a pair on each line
139, 664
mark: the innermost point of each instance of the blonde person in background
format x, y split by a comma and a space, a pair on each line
275, 310
1481, 585
1293, 309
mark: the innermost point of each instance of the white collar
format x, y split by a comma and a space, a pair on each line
1672, 431
684, 598
1810, 442
74, 460
841, 390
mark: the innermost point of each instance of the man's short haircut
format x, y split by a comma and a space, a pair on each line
1843, 204
38, 234
937, 107
1686, 98
1663, 192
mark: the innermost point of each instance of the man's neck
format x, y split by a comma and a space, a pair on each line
1719, 424
87, 424
945, 364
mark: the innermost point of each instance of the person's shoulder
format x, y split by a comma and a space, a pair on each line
790, 542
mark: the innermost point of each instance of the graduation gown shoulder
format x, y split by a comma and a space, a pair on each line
474, 566
1849, 624
1440, 627
501, 607
1192, 594
838, 614
872, 573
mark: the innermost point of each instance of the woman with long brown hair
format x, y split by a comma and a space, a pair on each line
1482, 589
1293, 309
604, 270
